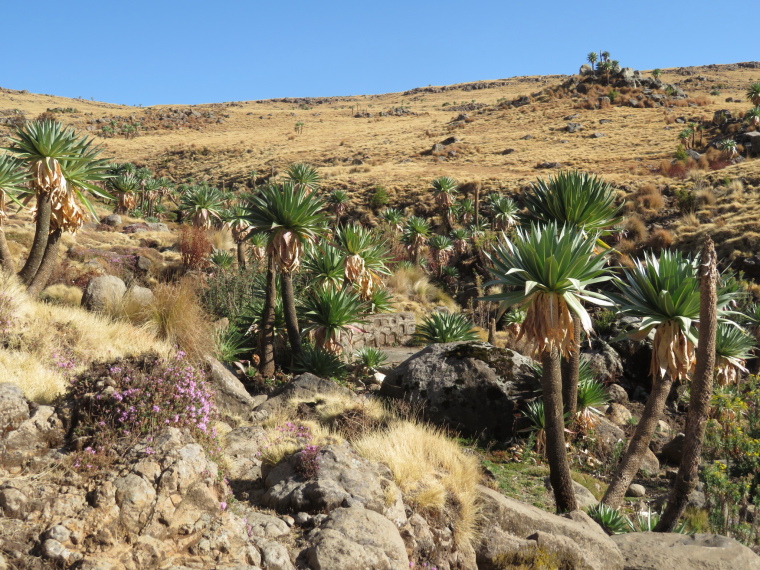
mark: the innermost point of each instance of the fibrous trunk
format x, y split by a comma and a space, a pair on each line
291, 319
47, 265
41, 233
241, 254
556, 453
701, 392
266, 336
6, 259
639, 443
570, 371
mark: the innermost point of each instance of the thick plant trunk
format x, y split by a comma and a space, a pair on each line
570, 372
41, 232
241, 254
701, 392
266, 336
556, 453
291, 319
477, 205
639, 443
6, 259
47, 265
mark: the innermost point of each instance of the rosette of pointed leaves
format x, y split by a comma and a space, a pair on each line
753, 93
460, 238
445, 327
258, 249
733, 346
503, 210
548, 271
80, 175
330, 316
13, 181
442, 248
303, 176
234, 218
125, 186
445, 189
203, 204
366, 257
753, 116
290, 216
394, 218
325, 264
574, 198
416, 234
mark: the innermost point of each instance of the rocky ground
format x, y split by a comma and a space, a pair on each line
167, 504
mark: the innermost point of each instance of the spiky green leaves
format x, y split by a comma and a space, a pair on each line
504, 211
13, 179
445, 327
444, 190
548, 270
753, 93
304, 176
574, 198
332, 314
203, 204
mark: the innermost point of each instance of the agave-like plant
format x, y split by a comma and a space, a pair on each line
442, 248
591, 395
258, 250
369, 359
416, 233
203, 204
753, 93
445, 327
753, 116
125, 187
461, 239
332, 316
234, 218
610, 519
504, 211
733, 347
319, 362
536, 415
548, 271
338, 199
381, 301
44, 146
222, 259
324, 263
290, 216
728, 146
13, 180
445, 189
366, 257
393, 218
303, 176
465, 210
574, 198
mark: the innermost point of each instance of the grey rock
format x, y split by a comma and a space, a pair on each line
139, 297
135, 497
650, 465
352, 538
102, 292
573, 127
618, 414
12, 502
673, 450
636, 490
617, 394
598, 136
231, 396
143, 263
275, 556
303, 387
657, 551
526, 137
112, 220
241, 451
471, 387
587, 545
604, 100
262, 525
605, 362
33, 437
693, 154
158, 227
58, 532
343, 478
14, 408
583, 496
586, 69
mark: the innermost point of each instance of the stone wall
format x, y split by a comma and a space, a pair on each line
390, 329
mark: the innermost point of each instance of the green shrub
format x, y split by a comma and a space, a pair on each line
445, 327
379, 198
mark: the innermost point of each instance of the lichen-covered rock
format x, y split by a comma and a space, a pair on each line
573, 540
472, 387
656, 551
343, 479
355, 537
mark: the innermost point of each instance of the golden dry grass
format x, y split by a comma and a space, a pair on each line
433, 472
46, 343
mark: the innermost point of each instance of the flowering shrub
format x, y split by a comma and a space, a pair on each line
288, 439
308, 461
134, 399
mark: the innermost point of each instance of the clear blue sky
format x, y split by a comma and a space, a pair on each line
159, 51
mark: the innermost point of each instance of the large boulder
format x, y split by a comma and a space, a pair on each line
657, 551
14, 408
231, 396
103, 292
355, 537
472, 387
518, 531
303, 387
343, 479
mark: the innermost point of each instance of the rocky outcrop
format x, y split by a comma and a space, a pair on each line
103, 292
231, 396
656, 551
517, 531
472, 387
303, 387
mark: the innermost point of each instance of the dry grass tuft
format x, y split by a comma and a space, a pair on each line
650, 198
61, 294
413, 284
432, 471
176, 316
221, 239
660, 239
636, 229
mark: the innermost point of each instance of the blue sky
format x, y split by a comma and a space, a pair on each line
165, 52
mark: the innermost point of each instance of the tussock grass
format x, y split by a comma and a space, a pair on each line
61, 294
412, 284
432, 471
46, 343
221, 239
